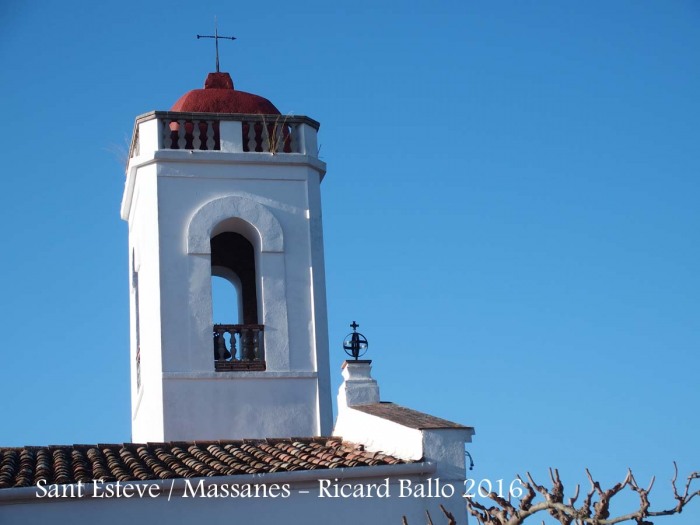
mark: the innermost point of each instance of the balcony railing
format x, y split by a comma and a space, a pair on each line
238, 347
229, 132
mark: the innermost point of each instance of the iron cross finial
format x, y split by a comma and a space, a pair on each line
216, 38
355, 344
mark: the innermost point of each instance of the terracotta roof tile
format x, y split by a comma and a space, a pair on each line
406, 416
26, 466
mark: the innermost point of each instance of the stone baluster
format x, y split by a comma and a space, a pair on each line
258, 344
294, 138
196, 132
252, 143
279, 130
265, 137
181, 132
273, 133
210, 135
167, 134
246, 345
181, 140
287, 139
234, 349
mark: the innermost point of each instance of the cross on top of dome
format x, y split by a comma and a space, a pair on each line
216, 38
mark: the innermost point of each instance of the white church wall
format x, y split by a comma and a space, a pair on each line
368, 495
445, 447
379, 435
147, 415
319, 306
254, 405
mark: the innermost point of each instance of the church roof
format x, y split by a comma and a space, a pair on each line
219, 96
26, 466
407, 417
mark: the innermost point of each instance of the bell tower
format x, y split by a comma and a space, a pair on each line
224, 186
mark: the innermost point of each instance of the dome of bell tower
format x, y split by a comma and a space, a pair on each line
219, 96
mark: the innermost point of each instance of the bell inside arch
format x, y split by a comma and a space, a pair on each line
221, 353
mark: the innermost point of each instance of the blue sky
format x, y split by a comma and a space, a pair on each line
510, 211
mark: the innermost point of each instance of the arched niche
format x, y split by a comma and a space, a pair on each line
234, 213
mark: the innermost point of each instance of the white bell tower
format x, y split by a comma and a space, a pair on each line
223, 185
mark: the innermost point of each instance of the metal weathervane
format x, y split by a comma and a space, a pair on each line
216, 38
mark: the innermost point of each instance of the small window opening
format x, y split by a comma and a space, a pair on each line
135, 285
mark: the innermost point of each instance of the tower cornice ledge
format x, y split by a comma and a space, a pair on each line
224, 157
216, 158
240, 375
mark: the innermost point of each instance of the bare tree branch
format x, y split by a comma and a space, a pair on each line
450, 517
594, 509
429, 521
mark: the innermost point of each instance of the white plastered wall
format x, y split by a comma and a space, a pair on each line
442, 447
303, 506
143, 246
278, 209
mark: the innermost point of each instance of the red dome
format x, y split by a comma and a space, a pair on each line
218, 96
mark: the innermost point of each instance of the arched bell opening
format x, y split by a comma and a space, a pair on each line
233, 258
238, 336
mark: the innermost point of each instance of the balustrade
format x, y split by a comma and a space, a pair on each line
184, 133
238, 347
269, 137
275, 134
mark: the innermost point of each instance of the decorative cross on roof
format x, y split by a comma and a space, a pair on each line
355, 344
216, 38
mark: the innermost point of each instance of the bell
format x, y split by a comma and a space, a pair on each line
221, 353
